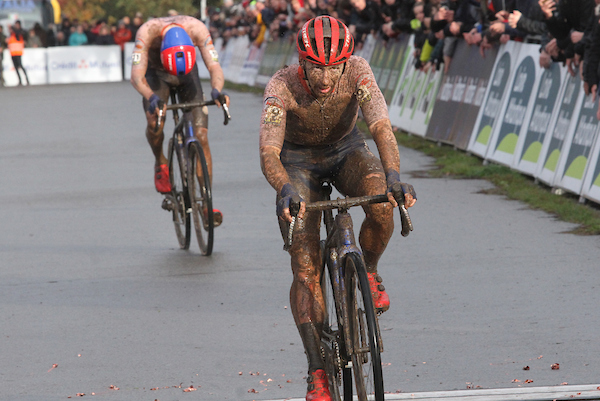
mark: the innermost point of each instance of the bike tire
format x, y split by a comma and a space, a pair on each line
201, 198
180, 198
364, 331
332, 342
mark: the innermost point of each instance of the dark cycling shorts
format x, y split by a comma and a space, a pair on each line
187, 87
348, 164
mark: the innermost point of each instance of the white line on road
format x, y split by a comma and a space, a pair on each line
583, 392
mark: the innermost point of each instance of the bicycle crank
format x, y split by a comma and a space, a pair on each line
168, 205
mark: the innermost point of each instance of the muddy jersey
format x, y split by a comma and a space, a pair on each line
291, 113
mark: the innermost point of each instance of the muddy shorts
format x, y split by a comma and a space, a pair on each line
348, 164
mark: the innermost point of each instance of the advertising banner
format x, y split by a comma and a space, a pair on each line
378, 59
401, 94
424, 102
573, 164
461, 95
493, 100
540, 118
84, 64
34, 63
239, 54
396, 68
507, 130
591, 182
367, 49
570, 101
275, 56
127, 51
249, 70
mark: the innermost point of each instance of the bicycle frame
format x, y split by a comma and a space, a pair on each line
340, 242
182, 137
195, 176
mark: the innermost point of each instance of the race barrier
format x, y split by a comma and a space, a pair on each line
502, 107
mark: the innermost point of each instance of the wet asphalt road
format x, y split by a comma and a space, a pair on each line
92, 279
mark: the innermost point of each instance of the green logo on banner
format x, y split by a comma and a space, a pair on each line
484, 135
577, 168
597, 181
552, 161
509, 143
533, 152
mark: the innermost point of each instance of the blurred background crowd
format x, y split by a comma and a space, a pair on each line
566, 30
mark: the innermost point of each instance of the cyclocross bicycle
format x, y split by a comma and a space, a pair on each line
191, 192
351, 341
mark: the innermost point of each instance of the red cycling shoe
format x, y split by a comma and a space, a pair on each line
161, 179
318, 386
381, 301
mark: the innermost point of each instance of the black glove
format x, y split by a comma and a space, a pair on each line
289, 199
154, 102
397, 188
218, 96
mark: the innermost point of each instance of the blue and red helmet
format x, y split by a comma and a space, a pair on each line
177, 51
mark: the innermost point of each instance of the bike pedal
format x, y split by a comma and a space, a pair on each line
167, 205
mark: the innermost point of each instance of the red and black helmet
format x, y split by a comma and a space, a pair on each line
311, 41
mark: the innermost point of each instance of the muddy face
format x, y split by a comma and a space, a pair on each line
323, 80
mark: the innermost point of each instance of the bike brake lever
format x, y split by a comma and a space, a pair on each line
158, 120
288, 241
226, 114
407, 226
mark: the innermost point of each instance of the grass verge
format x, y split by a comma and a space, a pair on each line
458, 164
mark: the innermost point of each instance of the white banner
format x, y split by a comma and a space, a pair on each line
127, 60
78, 64
34, 63
401, 93
250, 68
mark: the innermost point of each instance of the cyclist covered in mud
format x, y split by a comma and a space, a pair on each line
308, 134
164, 57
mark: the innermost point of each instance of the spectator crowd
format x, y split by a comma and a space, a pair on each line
567, 30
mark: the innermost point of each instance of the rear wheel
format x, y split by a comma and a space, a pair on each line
179, 197
364, 331
332, 342
201, 198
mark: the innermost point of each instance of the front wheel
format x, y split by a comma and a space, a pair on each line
364, 331
201, 198
332, 342
179, 197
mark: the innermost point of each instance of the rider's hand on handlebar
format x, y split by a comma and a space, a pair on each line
220, 98
400, 190
155, 103
290, 199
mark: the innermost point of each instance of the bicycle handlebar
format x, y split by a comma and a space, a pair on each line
344, 204
191, 105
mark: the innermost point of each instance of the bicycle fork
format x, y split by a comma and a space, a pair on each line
346, 244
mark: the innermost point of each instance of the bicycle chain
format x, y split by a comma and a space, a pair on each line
338, 360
